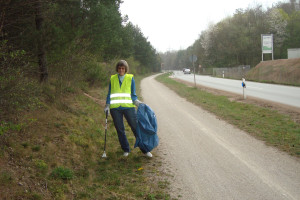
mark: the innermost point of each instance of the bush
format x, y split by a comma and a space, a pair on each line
62, 173
9, 126
18, 91
41, 165
134, 66
95, 73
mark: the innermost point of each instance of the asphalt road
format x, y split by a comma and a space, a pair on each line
210, 159
287, 95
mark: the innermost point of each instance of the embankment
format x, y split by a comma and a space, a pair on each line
283, 71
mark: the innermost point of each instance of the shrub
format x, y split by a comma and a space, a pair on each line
62, 173
95, 73
18, 91
36, 148
41, 165
9, 126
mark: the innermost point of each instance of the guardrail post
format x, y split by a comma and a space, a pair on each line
244, 87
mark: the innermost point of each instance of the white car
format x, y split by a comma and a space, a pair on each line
187, 71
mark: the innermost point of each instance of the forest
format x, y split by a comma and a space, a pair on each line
48, 47
236, 40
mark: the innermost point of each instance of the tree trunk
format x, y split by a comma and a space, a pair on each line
41, 53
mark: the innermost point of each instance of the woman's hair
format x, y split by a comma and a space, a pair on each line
122, 63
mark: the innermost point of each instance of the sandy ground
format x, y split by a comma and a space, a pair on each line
210, 159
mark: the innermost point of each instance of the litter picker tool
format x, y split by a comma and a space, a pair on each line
104, 153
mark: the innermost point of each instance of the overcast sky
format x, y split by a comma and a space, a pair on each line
176, 24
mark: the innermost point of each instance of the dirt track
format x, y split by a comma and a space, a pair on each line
211, 159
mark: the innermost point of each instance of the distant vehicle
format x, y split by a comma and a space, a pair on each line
186, 71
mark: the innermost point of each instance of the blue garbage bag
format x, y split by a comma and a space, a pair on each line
146, 131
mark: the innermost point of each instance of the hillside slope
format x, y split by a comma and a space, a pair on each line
284, 71
54, 152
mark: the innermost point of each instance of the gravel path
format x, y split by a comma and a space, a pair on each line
211, 159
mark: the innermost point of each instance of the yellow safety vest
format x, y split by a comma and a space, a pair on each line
121, 96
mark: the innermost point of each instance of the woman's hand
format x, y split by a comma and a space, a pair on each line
106, 109
137, 103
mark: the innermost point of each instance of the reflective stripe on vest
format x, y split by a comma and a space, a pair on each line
120, 101
121, 96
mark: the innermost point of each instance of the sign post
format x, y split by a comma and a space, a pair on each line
193, 58
266, 45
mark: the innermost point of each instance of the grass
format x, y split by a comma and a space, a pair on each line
276, 129
5, 178
62, 173
58, 155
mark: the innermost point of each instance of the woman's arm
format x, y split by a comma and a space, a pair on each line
133, 93
108, 95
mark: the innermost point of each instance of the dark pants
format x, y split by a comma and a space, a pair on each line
130, 116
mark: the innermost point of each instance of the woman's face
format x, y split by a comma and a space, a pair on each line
121, 70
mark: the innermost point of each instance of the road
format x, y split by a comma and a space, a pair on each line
211, 159
287, 95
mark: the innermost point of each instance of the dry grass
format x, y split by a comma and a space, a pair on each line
284, 71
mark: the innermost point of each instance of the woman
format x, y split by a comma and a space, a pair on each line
121, 101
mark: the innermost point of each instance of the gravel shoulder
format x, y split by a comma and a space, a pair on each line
211, 159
